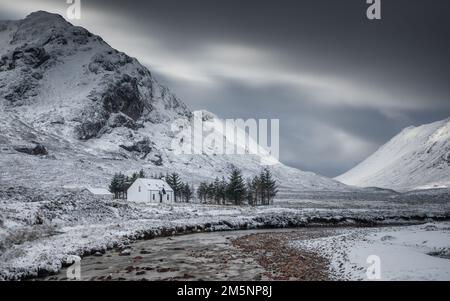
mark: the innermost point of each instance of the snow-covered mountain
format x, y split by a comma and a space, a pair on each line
73, 111
417, 158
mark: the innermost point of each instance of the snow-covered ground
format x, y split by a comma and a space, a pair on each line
40, 229
419, 252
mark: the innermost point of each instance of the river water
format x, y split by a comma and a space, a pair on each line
202, 256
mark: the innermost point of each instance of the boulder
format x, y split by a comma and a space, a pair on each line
124, 96
141, 147
121, 120
32, 149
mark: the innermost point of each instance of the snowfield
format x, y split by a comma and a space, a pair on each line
40, 230
420, 252
417, 158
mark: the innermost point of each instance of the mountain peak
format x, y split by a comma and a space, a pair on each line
51, 65
43, 18
100, 111
418, 157
41, 27
42, 15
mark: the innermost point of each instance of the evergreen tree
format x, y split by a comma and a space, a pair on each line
201, 191
141, 174
250, 192
133, 177
256, 190
223, 190
119, 185
269, 186
236, 190
217, 190
114, 185
174, 181
262, 190
187, 192
210, 192
124, 184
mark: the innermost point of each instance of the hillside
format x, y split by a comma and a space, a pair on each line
74, 111
417, 158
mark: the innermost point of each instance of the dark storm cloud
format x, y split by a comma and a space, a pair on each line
341, 85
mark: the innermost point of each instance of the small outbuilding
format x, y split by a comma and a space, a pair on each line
99, 192
150, 191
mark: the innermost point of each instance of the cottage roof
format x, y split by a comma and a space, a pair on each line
98, 191
155, 184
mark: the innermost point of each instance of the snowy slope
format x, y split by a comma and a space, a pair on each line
417, 158
405, 253
98, 111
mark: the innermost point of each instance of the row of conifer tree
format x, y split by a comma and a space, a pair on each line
259, 190
120, 183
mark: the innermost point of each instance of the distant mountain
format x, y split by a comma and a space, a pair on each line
417, 158
73, 111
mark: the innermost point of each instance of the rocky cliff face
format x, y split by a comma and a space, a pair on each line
47, 61
95, 111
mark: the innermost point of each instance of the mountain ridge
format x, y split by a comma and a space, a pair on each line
97, 111
416, 158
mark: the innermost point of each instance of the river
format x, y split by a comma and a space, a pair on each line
232, 255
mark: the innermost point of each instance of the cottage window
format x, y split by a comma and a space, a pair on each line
168, 197
153, 197
139, 188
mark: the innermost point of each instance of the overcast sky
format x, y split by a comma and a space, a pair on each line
340, 84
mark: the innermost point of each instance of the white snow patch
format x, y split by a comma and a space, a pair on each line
405, 253
417, 158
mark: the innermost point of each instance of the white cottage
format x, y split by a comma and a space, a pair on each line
150, 191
